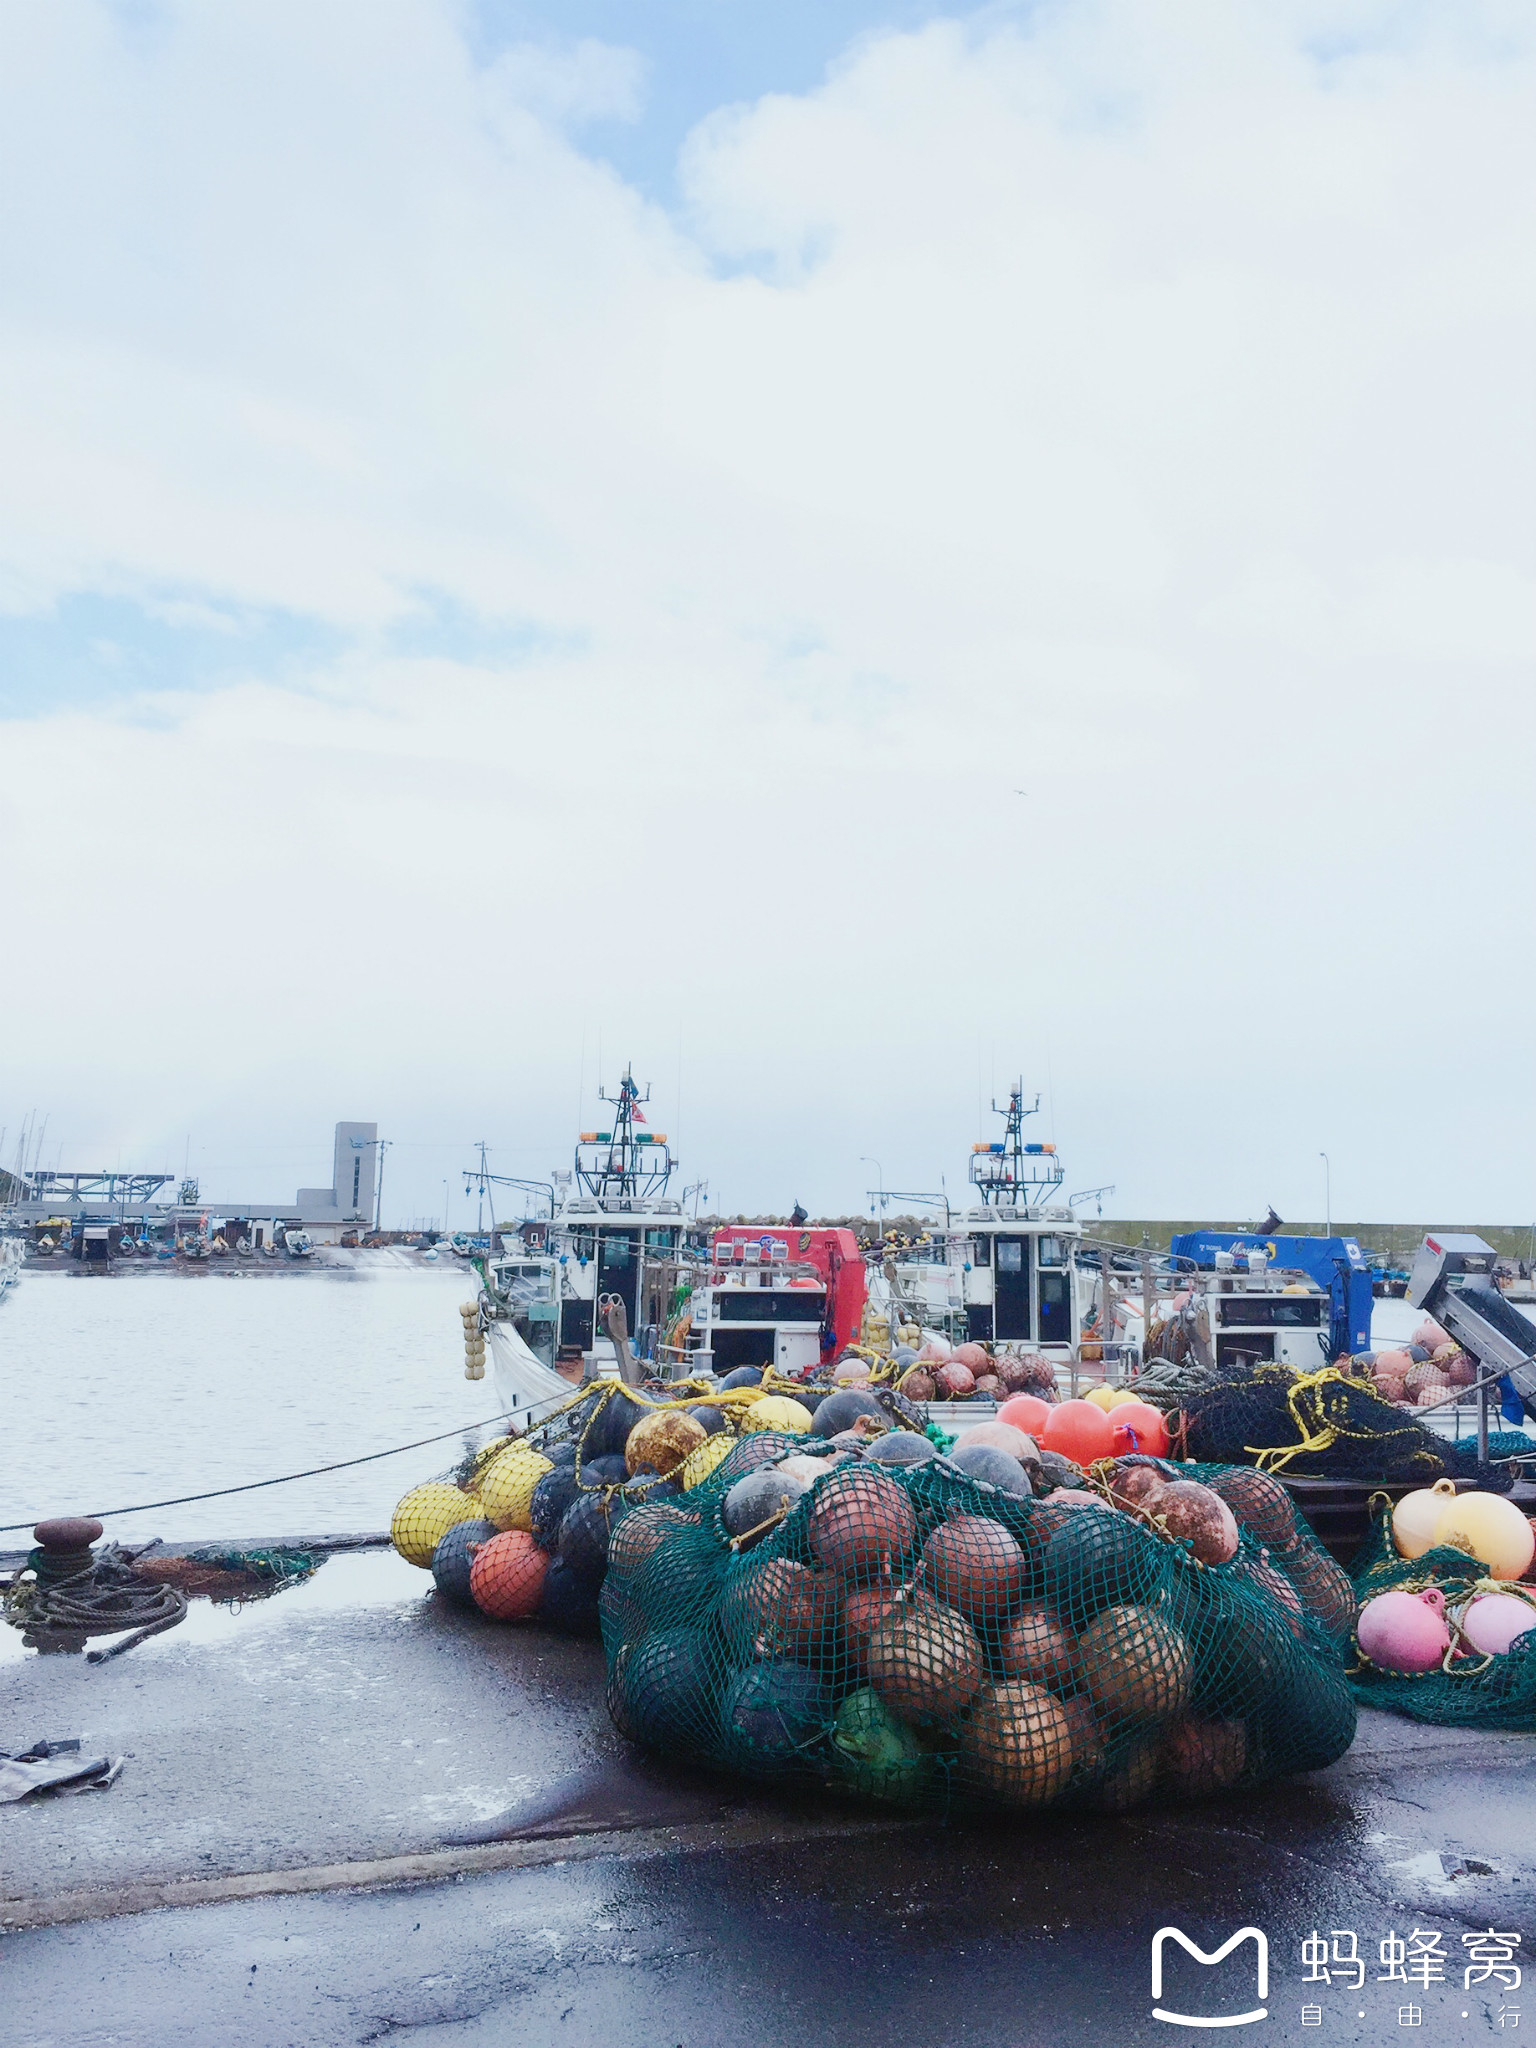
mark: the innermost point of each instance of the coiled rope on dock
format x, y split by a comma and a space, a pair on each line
104, 1599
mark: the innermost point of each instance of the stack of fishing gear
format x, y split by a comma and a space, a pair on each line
911, 1634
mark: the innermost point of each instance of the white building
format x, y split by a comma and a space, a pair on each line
347, 1204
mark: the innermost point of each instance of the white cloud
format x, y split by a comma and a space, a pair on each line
1130, 406
591, 81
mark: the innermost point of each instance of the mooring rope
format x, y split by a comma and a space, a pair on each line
105, 1599
255, 1485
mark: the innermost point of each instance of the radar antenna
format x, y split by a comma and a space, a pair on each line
625, 1163
1011, 1171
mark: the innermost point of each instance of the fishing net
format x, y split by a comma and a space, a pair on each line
1468, 1690
609, 1448
1502, 1444
1320, 1425
916, 1637
230, 1577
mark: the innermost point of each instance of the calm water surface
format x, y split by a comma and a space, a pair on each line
133, 1389
114, 1391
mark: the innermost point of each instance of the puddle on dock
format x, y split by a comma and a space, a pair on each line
347, 1580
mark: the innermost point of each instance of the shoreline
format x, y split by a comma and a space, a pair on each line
347, 1259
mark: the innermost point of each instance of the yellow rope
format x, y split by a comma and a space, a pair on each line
1317, 1430
1275, 1457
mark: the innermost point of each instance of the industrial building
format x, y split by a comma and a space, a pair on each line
52, 1197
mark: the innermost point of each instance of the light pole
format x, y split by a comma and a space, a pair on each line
445, 1208
1327, 1195
865, 1160
383, 1145
380, 1147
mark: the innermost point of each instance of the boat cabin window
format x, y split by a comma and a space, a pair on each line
576, 1324
1265, 1312
731, 1348
618, 1272
1052, 1252
981, 1251
1055, 1307
1011, 1303
661, 1240
769, 1305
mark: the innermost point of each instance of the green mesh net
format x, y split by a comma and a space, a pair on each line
1469, 1690
918, 1638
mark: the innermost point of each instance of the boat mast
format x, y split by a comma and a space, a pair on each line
625, 1164
1013, 1170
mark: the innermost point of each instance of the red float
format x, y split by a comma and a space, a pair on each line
1138, 1426
1079, 1430
1027, 1412
506, 1579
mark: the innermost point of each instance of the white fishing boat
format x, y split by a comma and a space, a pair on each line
1243, 1311
591, 1288
790, 1298
1004, 1270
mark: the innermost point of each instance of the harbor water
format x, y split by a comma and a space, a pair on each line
122, 1391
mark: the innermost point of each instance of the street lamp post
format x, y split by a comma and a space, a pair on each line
1327, 1194
380, 1147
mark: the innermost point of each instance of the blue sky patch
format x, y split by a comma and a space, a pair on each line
91, 648
700, 55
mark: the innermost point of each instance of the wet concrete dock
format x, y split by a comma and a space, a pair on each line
316, 1782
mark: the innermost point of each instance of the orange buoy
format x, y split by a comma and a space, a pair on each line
506, 1579
1079, 1430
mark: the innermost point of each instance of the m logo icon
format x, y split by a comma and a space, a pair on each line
1234, 2019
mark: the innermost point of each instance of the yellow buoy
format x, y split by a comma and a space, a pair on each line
1101, 1397
1416, 1514
1492, 1529
506, 1486
703, 1459
485, 1458
1123, 1394
425, 1516
775, 1411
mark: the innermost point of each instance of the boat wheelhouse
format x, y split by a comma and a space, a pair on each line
788, 1297
1242, 1311
616, 1239
1003, 1271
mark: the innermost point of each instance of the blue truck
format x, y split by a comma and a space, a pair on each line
1337, 1264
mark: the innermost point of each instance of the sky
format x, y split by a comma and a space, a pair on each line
844, 555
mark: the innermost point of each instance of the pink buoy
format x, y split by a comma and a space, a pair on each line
1404, 1631
1491, 1622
